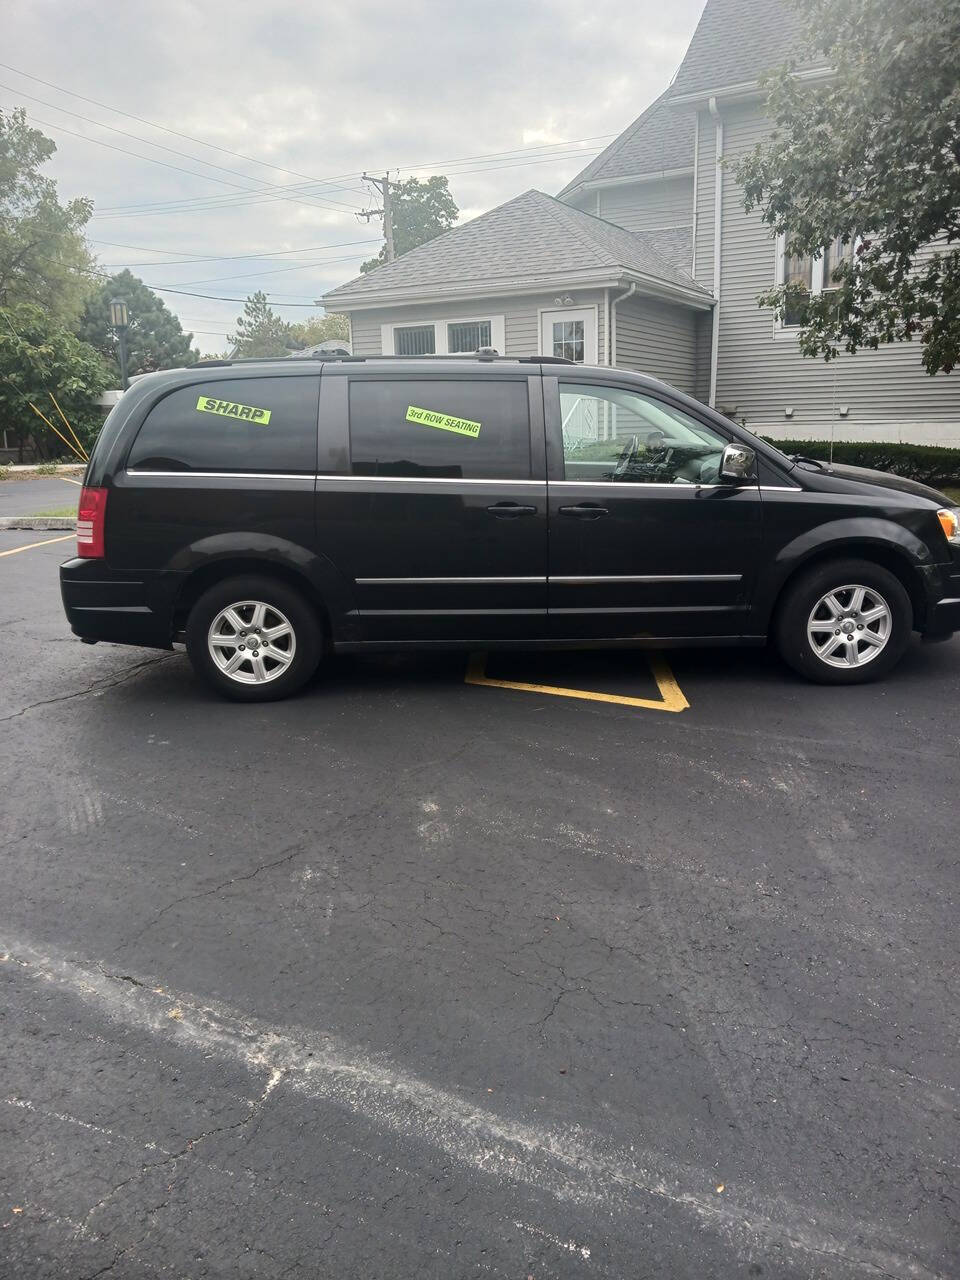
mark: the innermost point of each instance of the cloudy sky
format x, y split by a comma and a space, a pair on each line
294, 102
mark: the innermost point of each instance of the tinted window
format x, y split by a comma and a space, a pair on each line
244, 424
613, 434
472, 430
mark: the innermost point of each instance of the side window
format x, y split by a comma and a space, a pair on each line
244, 424
613, 434
473, 430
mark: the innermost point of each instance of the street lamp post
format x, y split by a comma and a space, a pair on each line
118, 318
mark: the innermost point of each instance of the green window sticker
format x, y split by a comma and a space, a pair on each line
443, 422
227, 409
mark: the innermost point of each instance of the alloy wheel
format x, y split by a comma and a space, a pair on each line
850, 626
252, 642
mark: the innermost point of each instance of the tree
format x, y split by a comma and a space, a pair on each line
421, 212
869, 162
320, 329
37, 357
43, 255
155, 339
260, 331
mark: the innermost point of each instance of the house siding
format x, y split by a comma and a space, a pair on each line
648, 206
760, 371
521, 319
658, 339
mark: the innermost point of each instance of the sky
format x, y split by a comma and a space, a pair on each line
238, 163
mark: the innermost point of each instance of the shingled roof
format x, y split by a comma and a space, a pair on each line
658, 141
532, 242
736, 41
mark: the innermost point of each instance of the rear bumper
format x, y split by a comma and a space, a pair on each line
125, 608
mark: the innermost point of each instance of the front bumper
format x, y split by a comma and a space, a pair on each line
125, 608
943, 608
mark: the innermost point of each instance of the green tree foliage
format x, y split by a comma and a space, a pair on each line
320, 329
421, 212
43, 255
155, 339
870, 157
37, 357
260, 331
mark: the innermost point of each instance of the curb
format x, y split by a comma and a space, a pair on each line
38, 522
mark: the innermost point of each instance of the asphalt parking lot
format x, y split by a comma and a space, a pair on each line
416, 977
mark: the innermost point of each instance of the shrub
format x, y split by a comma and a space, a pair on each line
47, 469
927, 463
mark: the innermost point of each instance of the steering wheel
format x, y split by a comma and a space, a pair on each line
630, 451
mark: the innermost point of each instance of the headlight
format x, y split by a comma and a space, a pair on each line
949, 518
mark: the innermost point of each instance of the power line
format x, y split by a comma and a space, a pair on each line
204, 177
231, 257
220, 201
99, 124
164, 129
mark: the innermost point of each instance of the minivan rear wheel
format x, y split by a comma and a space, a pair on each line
253, 639
844, 622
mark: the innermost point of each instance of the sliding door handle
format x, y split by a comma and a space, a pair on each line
585, 511
510, 510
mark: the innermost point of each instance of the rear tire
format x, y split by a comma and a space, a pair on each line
844, 622
254, 639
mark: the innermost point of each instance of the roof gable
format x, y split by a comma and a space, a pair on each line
528, 241
658, 141
736, 41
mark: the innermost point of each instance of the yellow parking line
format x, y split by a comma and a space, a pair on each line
30, 545
79, 483
671, 696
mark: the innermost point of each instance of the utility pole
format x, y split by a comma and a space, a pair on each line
386, 212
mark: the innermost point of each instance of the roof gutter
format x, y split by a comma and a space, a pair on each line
717, 247
610, 278
612, 329
628, 180
744, 90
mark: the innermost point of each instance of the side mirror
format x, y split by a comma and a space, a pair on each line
738, 463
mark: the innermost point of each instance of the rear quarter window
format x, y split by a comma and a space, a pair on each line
454, 429
243, 424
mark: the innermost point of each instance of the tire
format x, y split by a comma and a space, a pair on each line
276, 654
865, 643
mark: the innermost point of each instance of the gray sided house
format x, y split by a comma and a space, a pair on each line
648, 261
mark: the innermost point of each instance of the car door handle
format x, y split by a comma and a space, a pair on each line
510, 510
585, 511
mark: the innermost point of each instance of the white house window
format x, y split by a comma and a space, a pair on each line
813, 275
414, 340
460, 335
468, 335
568, 340
837, 252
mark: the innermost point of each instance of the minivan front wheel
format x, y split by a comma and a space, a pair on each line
253, 639
844, 622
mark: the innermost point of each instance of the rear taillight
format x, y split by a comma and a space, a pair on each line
91, 518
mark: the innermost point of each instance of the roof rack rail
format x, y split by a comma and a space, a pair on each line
332, 358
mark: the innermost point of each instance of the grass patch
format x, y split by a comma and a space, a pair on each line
56, 511
953, 495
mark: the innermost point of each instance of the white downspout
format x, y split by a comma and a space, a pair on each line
612, 341
606, 326
696, 192
717, 245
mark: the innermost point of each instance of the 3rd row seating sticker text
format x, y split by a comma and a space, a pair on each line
248, 412
443, 422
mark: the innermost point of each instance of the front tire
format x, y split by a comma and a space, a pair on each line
844, 622
253, 639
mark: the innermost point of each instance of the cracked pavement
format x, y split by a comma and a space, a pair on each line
410, 978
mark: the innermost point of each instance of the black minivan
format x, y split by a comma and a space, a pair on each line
269, 512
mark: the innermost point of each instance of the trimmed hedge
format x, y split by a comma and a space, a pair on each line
929, 464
